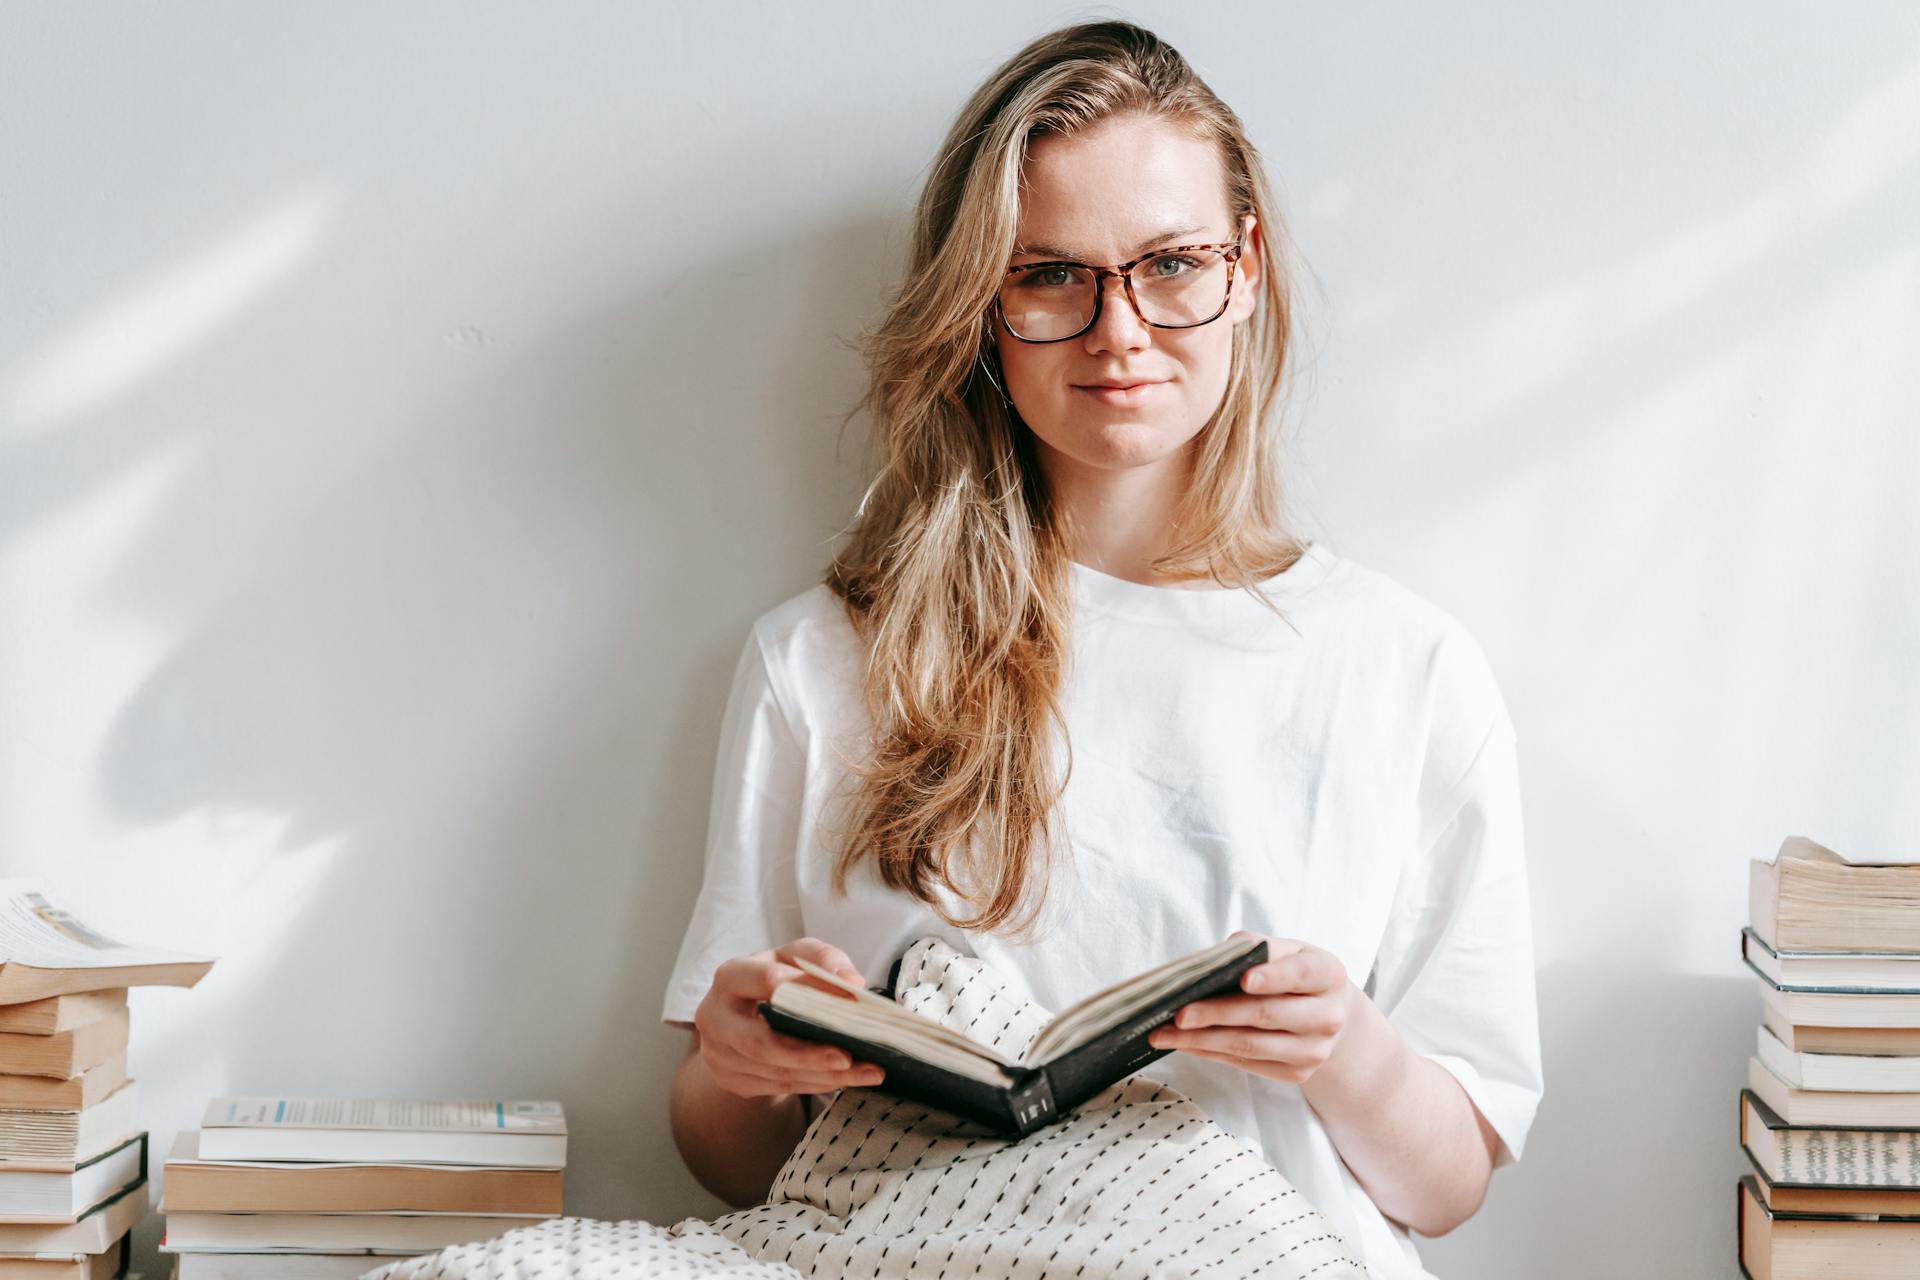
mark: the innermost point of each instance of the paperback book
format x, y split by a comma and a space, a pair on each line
46, 952
520, 1134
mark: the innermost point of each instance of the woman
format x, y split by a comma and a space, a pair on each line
1074, 698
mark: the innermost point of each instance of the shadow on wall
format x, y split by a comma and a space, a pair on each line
487, 667
1643, 1072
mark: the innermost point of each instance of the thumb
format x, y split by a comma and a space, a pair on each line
827, 956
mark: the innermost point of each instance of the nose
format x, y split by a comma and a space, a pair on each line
1118, 327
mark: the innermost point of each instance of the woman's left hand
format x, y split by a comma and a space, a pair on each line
1287, 1024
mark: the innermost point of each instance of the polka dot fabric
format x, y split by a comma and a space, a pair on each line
1135, 1183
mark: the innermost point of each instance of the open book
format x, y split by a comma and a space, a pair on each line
46, 952
1081, 1051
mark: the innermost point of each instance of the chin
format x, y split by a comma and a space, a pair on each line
1121, 442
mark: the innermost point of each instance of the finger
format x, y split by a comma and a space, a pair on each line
826, 955
743, 1031
1238, 1042
1210, 1056
771, 1080
1285, 1072
728, 1058
788, 1053
750, 979
755, 1055
1307, 971
1303, 1015
1276, 947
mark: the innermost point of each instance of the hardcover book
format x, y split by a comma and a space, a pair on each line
1081, 1051
95, 1231
1796, 1246
1833, 972
1884, 1009
1809, 1157
55, 1197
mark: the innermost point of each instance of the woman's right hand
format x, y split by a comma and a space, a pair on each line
749, 1058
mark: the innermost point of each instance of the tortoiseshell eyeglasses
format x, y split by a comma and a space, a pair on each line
1180, 288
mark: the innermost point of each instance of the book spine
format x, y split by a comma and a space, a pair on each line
1031, 1103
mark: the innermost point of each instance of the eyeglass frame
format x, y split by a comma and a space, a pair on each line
1230, 250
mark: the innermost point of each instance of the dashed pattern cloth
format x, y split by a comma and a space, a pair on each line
1136, 1182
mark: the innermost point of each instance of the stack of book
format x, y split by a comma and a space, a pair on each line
73, 1157
318, 1188
1830, 1120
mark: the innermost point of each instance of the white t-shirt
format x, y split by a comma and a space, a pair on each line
1346, 777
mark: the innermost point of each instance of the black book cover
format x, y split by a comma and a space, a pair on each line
1038, 1095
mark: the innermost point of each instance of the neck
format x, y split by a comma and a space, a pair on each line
1122, 518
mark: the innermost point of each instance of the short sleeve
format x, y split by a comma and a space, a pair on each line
748, 894
1454, 974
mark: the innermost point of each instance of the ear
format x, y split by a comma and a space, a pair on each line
1249, 273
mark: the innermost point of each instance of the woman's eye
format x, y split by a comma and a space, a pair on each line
1171, 266
1049, 278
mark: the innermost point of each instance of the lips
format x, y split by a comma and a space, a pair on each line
1123, 395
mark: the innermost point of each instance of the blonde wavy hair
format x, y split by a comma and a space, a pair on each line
955, 572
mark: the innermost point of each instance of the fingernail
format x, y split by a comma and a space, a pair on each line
1256, 982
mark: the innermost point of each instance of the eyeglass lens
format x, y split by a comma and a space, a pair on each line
1057, 301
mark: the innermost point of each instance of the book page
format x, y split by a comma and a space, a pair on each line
1091, 1017
186, 1150
882, 1021
393, 1114
35, 933
1805, 850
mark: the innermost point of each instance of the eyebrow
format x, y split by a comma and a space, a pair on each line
1171, 233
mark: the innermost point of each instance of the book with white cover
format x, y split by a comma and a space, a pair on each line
45, 951
276, 1266
331, 1232
96, 1231
41, 1195
521, 1134
1827, 1108
62, 1140
87, 1266
1843, 1072
1885, 1009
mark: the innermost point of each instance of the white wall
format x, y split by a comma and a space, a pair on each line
403, 413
